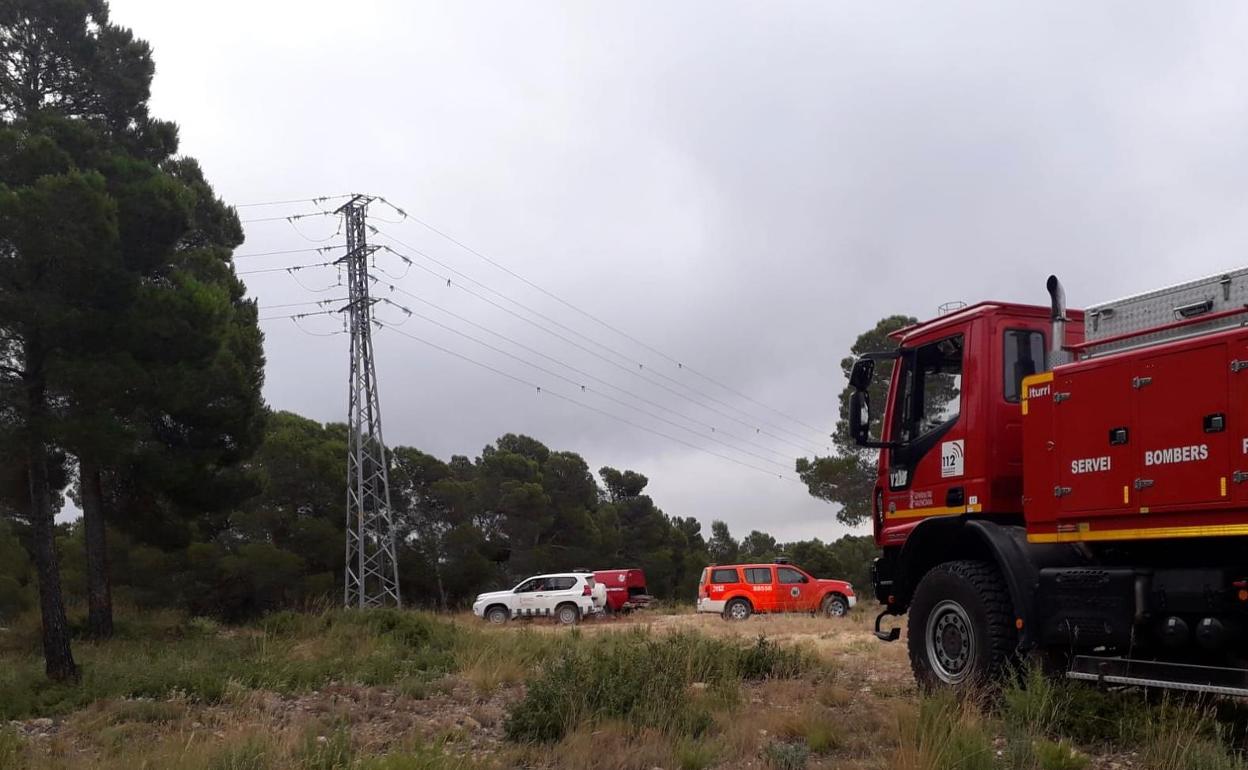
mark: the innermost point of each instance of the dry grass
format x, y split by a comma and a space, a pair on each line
419, 692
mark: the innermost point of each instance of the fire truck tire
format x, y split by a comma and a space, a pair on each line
835, 606
498, 614
738, 609
567, 614
961, 625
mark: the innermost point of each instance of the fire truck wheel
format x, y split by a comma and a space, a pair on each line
738, 609
835, 607
961, 628
497, 615
567, 614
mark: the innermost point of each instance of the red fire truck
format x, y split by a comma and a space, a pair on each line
1069, 483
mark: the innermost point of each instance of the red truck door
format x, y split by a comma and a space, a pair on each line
1237, 434
1181, 410
795, 589
930, 474
1097, 449
760, 582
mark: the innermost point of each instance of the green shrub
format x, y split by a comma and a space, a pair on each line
251, 754
695, 754
1058, 755
765, 660
1034, 701
12, 750
786, 756
643, 681
945, 734
327, 752
287, 652
1185, 737
823, 737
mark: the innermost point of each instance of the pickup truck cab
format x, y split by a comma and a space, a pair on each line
565, 596
737, 591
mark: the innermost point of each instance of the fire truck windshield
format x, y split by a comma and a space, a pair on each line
929, 395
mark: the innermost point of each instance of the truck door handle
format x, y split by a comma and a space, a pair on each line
1143, 483
1139, 382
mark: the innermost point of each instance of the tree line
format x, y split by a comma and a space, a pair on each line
463, 526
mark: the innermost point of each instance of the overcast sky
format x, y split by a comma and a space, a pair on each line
742, 186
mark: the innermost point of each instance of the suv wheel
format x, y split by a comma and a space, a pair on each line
835, 607
961, 622
497, 615
567, 614
738, 609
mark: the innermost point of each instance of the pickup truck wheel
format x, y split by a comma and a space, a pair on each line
497, 615
961, 625
738, 609
835, 606
567, 614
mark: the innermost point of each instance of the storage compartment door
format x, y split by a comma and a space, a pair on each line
1096, 446
1181, 402
1237, 430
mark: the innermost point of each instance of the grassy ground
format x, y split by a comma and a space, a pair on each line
411, 691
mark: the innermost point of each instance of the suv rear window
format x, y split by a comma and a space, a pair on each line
724, 576
560, 583
757, 575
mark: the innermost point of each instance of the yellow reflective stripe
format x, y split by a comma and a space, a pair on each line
914, 513
1147, 533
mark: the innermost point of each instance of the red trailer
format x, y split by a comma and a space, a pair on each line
626, 589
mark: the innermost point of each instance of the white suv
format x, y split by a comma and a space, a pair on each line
565, 596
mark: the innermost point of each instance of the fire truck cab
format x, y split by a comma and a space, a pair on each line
1039, 491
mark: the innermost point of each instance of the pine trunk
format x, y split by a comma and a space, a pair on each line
99, 587
58, 658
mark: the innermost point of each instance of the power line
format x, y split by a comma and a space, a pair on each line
297, 315
583, 405
582, 372
638, 372
632, 361
679, 364
584, 388
287, 269
321, 199
299, 326
275, 253
301, 304
289, 218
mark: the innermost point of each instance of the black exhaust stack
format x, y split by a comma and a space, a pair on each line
1057, 314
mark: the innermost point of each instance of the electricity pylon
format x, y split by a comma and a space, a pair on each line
372, 575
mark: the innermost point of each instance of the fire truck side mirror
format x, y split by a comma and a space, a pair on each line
860, 416
860, 375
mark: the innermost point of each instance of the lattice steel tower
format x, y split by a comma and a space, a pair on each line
372, 578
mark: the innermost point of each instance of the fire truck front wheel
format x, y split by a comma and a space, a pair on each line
961, 628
